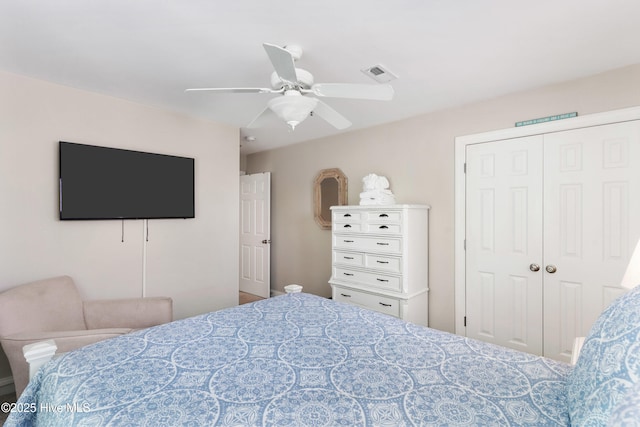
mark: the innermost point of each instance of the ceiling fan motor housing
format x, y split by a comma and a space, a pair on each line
295, 51
305, 80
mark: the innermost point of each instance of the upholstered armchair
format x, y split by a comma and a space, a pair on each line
52, 309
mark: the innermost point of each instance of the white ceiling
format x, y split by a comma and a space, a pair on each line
445, 52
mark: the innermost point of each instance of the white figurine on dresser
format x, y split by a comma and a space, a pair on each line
375, 191
380, 259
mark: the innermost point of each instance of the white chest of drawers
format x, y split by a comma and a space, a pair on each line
380, 259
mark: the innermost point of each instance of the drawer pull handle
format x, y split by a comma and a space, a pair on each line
385, 305
382, 280
383, 216
383, 227
348, 257
382, 244
382, 262
348, 241
348, 274
346, 295
347, 215
347, 226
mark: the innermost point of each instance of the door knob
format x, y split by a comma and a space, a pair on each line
534, 267
551, 268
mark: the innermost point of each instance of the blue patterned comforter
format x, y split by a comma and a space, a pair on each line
294, 360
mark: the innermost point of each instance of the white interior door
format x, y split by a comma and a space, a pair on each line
255, 234
504, 243
592, 211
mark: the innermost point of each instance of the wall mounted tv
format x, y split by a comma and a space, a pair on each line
109, 183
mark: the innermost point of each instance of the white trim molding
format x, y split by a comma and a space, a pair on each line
7, 386
461, 143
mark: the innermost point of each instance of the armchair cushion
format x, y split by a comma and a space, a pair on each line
134, 313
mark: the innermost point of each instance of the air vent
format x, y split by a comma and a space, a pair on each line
379, 73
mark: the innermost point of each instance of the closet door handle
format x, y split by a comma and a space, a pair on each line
534, 267
551, 269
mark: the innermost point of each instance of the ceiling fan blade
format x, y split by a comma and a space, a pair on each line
282, 62
353, 91
332, 117
261, 118
233, 90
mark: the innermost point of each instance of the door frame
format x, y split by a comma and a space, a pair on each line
461, 142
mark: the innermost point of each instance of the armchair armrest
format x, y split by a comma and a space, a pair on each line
136, 313
65, 340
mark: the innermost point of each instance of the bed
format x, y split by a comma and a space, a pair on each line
303, 360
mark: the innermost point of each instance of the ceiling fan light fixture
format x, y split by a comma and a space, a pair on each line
293, 108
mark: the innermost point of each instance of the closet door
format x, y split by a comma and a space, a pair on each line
588, 181
591, 216
504, 185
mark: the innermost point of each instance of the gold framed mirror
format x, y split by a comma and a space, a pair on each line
330, 189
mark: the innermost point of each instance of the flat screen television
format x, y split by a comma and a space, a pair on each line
110, 183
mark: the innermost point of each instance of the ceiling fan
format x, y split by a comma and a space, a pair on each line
296, 87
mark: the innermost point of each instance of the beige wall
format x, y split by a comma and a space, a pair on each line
194, 260
417, 155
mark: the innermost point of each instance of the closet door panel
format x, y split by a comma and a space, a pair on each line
591, 211
504, 238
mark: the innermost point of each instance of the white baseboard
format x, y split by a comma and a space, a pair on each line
7, 386
275, 293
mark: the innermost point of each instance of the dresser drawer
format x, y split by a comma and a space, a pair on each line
349, 258
370, 279
385, 263
347, 227
383, 216
367, 244
378, 303
380, 228
346, 216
